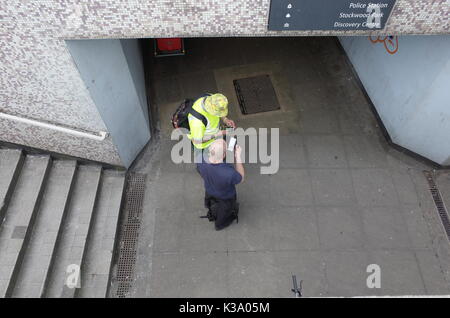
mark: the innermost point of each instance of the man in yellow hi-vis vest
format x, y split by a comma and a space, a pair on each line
213, 107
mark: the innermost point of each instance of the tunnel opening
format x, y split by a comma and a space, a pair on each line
296, 84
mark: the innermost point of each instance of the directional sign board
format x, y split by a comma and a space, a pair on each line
329, 15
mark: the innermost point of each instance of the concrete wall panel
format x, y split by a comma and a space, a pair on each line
409, 90
104, 67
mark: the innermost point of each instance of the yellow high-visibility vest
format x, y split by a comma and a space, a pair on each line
198, 130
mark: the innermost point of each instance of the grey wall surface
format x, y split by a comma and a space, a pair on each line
112, 71
133, 54
409, 90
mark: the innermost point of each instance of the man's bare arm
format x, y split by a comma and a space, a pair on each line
209, 137
238, 162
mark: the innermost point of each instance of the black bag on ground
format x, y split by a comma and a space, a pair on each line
222, 212
180, 116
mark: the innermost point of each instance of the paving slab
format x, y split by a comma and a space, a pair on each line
252, 273
253, 232
433, 274
346, 273
349, 125
198, 83
169, 90
292, 152
364, 152
168, 226
169, 191
340, 227
294, 228
400, 272
258, 191
404, 185
332, 187
193, 191
417, 225
307, 266
290, 187
326, 151
167, 164
165, 278
374, 187
319, 121
198, 234
195, 281
385, 227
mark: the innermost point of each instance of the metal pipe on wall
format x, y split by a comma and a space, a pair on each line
100, 136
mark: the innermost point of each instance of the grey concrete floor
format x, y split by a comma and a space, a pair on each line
342, 199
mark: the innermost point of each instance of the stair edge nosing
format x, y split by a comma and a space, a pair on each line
72, 293
18, 264
116, 237
11, 186
60, 230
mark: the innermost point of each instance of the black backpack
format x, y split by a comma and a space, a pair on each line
180, 116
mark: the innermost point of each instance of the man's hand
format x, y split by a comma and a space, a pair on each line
221, 133
229, 122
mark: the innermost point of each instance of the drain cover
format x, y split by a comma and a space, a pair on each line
256, 94
440, 206
134, 197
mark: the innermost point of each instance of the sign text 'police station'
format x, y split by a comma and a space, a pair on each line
329, 15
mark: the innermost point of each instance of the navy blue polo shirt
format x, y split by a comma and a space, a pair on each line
220, 179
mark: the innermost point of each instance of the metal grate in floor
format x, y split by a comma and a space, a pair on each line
134, 196
440, 205
256, 94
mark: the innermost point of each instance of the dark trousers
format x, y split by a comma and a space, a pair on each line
225, 211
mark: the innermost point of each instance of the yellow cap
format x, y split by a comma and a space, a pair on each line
217, 105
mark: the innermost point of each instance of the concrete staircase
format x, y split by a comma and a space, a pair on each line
57, 218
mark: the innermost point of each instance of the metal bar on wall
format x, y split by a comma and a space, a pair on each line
100, 136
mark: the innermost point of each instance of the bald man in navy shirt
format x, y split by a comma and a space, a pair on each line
220, 180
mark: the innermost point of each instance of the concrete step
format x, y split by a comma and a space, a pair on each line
19, 219
75, 229
10, 164
37, 260
96, 267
